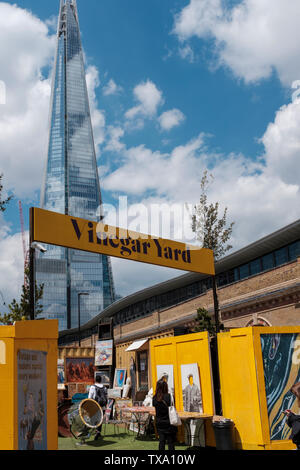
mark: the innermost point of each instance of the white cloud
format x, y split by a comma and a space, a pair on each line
24, 117
282, 144
11, 267
149, 98
252, 39
97, 115
170, 119
112, 88
113, 139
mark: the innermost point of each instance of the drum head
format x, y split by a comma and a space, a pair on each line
91, 413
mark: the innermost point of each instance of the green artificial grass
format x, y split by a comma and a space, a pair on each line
114, 439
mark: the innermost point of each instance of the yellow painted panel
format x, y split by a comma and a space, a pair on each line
80, 234
238, 385
31, 336
186, 349
7, 398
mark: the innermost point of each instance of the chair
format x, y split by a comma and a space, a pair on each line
116, 421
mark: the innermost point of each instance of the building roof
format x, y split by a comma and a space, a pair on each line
274, 241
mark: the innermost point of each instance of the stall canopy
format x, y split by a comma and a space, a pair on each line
137, 344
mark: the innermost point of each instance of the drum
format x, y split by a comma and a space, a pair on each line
85, 417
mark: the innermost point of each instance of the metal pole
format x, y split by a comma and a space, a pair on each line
218, 399
216, 304
79, 333
31, 265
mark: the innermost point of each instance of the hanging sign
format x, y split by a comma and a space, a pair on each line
80, 234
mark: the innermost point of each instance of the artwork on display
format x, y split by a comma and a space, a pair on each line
281, 354
114, 393
191, 388
61, 374
32, 400
108, 409
133, 377
104, 353
120, 404
72, 390
166, 372
103, 375
120, 376
80, 369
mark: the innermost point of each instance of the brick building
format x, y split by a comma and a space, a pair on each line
257, 284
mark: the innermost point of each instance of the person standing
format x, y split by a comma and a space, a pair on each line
161, 402
98, 392
293, 420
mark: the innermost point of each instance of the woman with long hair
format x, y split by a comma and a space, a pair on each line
293, 420
161, 402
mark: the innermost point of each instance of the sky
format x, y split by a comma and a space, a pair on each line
175, 87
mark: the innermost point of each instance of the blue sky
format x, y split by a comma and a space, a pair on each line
223, 71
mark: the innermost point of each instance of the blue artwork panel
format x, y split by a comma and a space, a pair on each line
281, 358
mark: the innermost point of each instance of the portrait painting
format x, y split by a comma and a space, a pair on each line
166, 372
80, 369
191, 388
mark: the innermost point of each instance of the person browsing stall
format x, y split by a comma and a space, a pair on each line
98, 392
161, 402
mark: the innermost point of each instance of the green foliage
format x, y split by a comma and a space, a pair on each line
3, 202
211, 231
205, 322
21, 310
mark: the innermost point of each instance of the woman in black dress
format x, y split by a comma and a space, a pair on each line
161, 402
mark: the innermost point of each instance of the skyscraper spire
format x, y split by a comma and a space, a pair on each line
71, 184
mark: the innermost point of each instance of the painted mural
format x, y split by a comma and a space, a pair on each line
281, 359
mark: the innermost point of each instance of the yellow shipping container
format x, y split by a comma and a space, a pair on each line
258, 366
28, 385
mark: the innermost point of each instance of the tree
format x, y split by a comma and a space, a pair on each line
205, 322
211, 231
3, 202
21, 310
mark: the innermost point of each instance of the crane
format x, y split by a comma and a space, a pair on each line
25, 250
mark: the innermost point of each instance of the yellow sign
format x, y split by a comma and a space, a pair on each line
80, 234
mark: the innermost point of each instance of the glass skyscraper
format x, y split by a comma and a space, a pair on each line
71, 186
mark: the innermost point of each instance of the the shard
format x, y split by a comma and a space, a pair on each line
71, 186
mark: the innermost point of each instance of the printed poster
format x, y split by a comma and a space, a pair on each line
32, 400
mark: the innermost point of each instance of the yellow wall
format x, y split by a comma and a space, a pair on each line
27, 335
243, 387
186, 349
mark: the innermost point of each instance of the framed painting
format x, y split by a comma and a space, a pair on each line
80, 370
120, 376
104, 353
